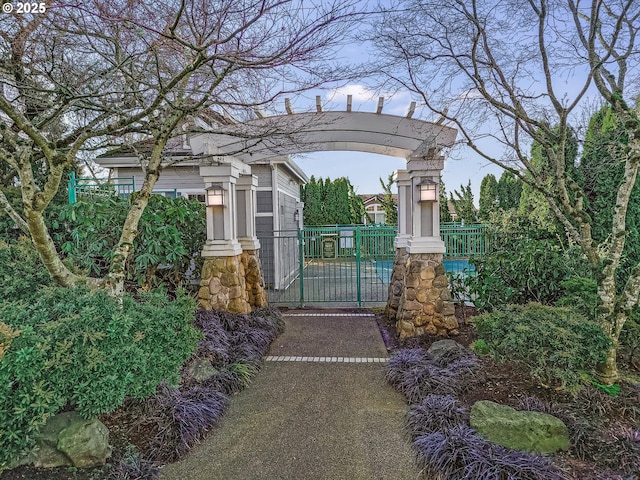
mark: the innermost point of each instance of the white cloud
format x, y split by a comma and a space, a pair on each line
395, 103
361, 93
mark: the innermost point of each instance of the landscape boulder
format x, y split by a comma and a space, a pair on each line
69, 439
201, 369
532, 432
444, 352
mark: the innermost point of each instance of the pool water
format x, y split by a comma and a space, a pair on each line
384, 267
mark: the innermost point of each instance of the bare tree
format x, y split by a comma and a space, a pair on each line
511, 72
85, 75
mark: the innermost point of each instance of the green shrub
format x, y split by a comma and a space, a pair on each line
580, 293
480, 347
21, 271
84, 350
170, 237
523, 268
555, 343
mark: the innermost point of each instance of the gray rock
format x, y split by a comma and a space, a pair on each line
532, 432
201, 370
85, 442
445, 351
45, 454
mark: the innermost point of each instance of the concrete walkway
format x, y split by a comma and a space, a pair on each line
319, 409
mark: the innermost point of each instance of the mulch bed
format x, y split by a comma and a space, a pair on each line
504, 383
508, 383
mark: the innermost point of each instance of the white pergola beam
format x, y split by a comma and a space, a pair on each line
412, 110
288, 107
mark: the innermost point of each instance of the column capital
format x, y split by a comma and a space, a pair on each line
425, 245
425, 164
246, 182
221, 248
249, 243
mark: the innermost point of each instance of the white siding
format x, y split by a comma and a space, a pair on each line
263, 172
287, 183
180, 178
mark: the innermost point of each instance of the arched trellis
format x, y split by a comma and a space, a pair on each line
418, 295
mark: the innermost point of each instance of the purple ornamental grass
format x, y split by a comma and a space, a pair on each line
182, 417
134, 468
436, 413
454, 355
268, 318
216, 339
419, 379
459, 453
404, 360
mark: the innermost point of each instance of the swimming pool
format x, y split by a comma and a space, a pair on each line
384, 267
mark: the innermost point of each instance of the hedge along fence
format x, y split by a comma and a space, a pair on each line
170, 237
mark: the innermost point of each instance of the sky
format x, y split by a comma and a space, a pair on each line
365, 169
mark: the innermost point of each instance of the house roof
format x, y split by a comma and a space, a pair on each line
375, 197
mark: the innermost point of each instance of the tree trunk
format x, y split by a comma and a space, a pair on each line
48, 253
116, 277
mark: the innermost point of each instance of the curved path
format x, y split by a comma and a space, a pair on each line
320, 409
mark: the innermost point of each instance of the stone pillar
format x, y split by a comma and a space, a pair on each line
424, 304
396, 284
250, 258
223, 284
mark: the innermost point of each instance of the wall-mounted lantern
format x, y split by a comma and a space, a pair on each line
428, 190
215, 196
296, 216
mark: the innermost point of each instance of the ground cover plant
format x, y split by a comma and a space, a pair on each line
162, 427
72, 348
604, 430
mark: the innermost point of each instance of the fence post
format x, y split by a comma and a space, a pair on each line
358, 267
301, 264
71, 188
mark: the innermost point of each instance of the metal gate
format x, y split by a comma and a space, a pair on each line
350, 265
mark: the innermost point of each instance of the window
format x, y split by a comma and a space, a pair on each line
198, 197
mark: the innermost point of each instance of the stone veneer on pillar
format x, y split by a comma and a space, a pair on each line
419, 299
224, 283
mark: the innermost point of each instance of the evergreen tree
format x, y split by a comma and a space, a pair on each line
388, 204
312, 197
508, 191
488, 197
445, 214
463, 204
340, 212
328, 202
601, 176
533, 205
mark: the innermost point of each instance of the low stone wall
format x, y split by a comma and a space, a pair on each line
254, 281
419, 287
